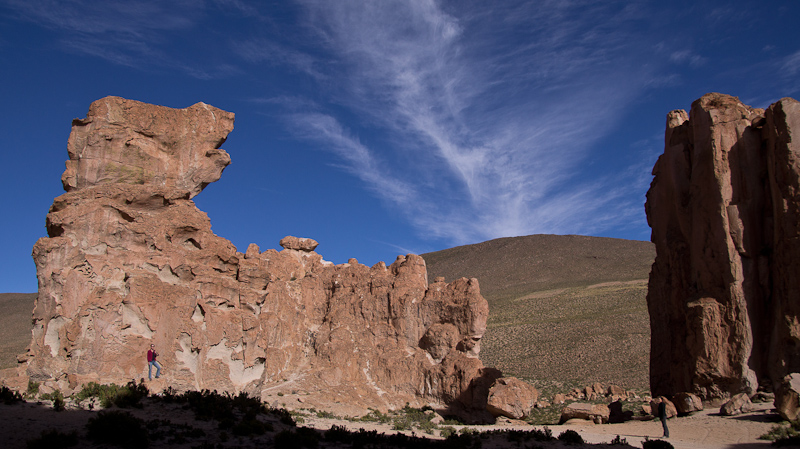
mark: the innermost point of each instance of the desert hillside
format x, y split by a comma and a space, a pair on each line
15, 326
563, 309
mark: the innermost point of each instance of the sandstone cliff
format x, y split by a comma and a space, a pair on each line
130, 261
724, 211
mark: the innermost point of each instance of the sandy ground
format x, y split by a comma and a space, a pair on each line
704, 430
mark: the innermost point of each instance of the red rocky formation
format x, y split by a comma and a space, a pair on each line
724, 211
130, 261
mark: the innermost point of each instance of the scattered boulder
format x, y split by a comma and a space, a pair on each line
672, 411
686, 403
787, 397
597, 413
512, 398
559, 398
617, 392
737, 405
723, 207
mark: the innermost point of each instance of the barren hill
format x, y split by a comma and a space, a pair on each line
561, 308
15, 326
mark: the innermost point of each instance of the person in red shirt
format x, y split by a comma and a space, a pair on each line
151, 362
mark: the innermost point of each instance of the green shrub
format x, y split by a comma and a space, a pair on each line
570, 436
787, 442
126, 396
445, 432
57, 397
119, 428
782, 431
619, 441
656, 444
338, 434
53, 439
301, 437
8, 396
33, 388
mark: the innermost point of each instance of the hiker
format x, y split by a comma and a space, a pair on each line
662, 414
151, 361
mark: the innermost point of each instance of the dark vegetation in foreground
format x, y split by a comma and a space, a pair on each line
240, 416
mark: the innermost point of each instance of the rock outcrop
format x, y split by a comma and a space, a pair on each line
724, 208
130, 261
787, 397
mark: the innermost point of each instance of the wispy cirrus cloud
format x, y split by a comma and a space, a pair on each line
132, 34
492, 111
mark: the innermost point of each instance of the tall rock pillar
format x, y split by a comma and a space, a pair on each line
715, 316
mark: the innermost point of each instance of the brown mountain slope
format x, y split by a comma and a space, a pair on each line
16, 310
561, 308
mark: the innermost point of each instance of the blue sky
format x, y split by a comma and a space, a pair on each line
386, 127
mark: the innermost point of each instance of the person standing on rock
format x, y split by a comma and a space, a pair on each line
662, 414
151, 362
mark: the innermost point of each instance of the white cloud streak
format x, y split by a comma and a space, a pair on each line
131, 34
501, 128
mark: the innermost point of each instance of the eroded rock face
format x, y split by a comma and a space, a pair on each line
723, 208
130, 261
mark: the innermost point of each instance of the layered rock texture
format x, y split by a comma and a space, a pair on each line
130, 261
724, 208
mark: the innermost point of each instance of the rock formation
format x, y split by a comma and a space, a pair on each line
130, 261
724, 207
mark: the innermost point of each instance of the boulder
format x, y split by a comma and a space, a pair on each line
723, 208
299, 244
130, 261
737, 405
672, 411
597, 413
617, 415
559, 398
512, 398
686, 403
787, 397
616, 391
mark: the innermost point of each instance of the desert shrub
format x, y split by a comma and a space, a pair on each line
656, 444
119, 428
172, 433
53, 439
251, 426
782, 432
519, 436
33, 388
338, 434
445, 432
618, 441
462, 441
375, 416
787, 442
570, 436
129, 395
301, 437
8, 396
57, 397
409, 418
